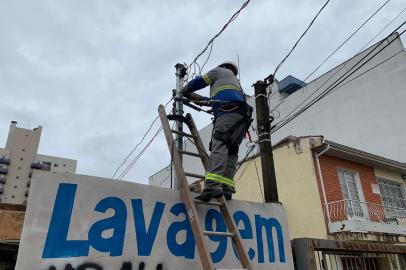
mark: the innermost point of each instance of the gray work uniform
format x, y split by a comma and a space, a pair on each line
222, 166
223, 162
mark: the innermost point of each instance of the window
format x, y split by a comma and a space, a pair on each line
55, 164
350, 187
393, 197
21, 159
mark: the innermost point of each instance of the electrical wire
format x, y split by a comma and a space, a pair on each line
377, 46
336, 84
335, 50
139, 143
244, 161
129, 167
210, 43
301, 36
194, 63
259, 182
346, 40
293, 48
170, 174
332, 87
383, 29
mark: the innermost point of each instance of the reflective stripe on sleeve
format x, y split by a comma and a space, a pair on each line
206, 79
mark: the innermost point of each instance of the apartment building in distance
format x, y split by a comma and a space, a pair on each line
20, 158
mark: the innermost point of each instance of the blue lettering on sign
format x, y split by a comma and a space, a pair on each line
214, 215
268, 225
187, 248
146, 238
115, 243
58, 246
246, 232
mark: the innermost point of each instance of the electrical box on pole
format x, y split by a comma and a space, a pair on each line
264, 140
180, 74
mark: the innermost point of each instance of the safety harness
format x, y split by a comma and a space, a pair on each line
245, 111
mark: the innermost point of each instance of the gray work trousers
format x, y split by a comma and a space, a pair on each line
222, 165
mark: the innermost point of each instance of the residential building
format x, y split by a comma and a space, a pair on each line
332, 191
365, 110
19, 158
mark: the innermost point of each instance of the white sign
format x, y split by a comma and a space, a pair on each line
375, 189
88, 223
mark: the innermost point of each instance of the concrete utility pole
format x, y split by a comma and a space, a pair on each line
180, 74
264, 138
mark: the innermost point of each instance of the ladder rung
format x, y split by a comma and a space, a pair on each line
209, 203
180, 118
228, 234
199, 176
189, 153
183, 134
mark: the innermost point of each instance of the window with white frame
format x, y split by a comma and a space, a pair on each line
393, 197
351, 193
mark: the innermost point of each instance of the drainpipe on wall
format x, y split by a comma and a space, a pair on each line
321, 179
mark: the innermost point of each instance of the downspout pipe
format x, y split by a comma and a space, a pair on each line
321, 179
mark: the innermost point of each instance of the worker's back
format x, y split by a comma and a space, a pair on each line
224, 85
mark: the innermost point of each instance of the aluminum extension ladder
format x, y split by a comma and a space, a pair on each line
190, 204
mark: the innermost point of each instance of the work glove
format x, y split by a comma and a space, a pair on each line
195, 98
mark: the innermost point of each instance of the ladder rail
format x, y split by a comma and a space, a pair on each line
225, 211
186, 197
198, 141
190, 204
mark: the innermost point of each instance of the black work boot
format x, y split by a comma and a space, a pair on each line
228, 192
209, 193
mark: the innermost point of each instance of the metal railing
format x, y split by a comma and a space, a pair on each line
351, 210
318, 254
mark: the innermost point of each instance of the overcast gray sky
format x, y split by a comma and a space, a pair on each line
93, 73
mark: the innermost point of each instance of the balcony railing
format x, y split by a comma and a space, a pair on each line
357, 216
39, 166
4, 160
4, 170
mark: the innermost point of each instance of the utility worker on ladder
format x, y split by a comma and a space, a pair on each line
232, 118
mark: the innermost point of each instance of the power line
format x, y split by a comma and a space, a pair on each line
317, 98
327, 89
333, 85
210, 43
301, 36
293, 48
243, 161
383, 29
339, 47
129, 167
139, 143
346, 40
259, 182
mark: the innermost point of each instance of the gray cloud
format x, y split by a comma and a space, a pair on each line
93, 72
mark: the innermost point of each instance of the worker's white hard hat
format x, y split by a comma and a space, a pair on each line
230, 64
